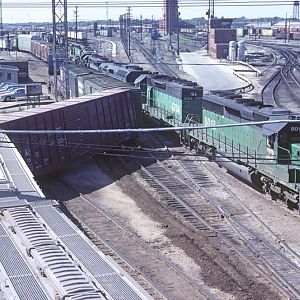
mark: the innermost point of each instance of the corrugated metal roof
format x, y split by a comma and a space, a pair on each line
87, 255
58, 266
73, 266
24, 283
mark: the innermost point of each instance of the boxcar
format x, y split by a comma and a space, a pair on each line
24, 41
45, 153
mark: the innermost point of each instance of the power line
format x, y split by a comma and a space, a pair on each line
147, 130
253, 158
189, 3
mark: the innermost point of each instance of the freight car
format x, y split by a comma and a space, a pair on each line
125, 73
39, 48
154, 33
115, 108
284, 35
81, 36
24, 41
264, 155
84, 81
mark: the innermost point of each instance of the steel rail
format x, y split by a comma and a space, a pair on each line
163, 68
288, 252
125, 229
262, 224
285, 73
226, 231
256, 244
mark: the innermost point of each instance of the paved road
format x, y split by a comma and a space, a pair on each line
210, 73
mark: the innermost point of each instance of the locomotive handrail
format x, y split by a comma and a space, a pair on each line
289, 155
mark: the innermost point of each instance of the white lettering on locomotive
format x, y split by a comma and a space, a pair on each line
175, 108
295, 129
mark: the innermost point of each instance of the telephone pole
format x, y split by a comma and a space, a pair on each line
76, 22
106, 15
141, 18
60, 49
1, 21
178, 32
1, 26
128, 28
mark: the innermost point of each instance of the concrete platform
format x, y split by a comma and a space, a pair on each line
210, 73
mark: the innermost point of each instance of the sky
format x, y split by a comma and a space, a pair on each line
14, 11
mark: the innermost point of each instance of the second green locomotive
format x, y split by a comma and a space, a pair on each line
267, 155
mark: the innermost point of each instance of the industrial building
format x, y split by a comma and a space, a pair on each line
9, 73
220, 34
170, 18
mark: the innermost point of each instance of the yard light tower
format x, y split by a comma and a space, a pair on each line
60, 50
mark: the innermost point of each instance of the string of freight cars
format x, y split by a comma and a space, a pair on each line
188, 3
145, 130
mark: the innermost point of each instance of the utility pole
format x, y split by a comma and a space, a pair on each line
208, 24
170, 29
178, 31
128, 28
1, 26
285, 28
76, 22
106, 15
1, 20
212, 8
60, 49
141, 18
289, 30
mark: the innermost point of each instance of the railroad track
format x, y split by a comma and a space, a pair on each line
110, 234
284, 78
161, 67
183, 188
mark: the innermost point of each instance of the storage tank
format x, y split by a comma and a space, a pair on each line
241, 50
232, 53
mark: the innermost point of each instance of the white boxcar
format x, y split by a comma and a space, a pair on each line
24, 41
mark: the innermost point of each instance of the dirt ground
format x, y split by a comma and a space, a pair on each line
117, 188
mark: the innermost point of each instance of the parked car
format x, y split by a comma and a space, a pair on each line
13, 94
8, 87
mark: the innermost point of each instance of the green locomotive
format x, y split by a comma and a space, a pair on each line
265, 155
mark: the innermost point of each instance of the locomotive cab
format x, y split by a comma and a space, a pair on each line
289, 150
283, 143
295, 154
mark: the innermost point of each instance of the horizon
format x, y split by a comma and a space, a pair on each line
36, 11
